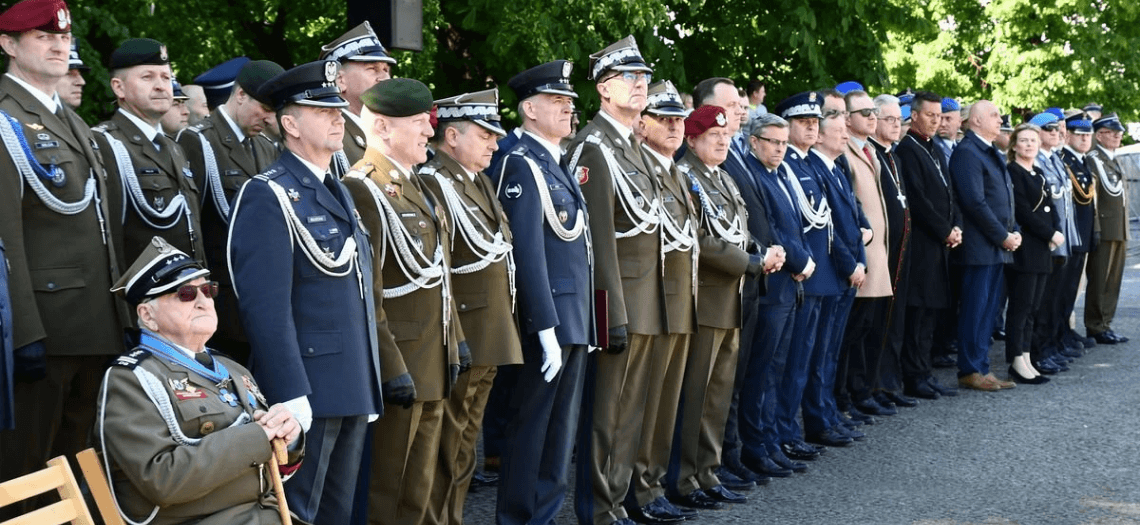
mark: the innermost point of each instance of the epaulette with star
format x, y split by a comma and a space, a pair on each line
131, 360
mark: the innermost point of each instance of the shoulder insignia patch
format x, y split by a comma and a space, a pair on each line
513, 190
583, 174
131, 359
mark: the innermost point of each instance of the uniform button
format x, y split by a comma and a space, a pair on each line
462, 306
311, 350
51, 286
552, 290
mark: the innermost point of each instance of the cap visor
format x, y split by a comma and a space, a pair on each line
371, 58
668, 112
564, 92
325, 102
491, 126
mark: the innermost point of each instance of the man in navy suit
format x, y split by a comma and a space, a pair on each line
302, 271
556, 324
989, 237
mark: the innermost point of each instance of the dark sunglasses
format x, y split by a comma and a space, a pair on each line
867, 112
189, 292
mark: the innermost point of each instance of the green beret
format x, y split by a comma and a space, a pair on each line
139, 52
398, 97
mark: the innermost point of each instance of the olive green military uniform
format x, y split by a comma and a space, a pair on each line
61, 265
1105, 270
413, 338
486, 311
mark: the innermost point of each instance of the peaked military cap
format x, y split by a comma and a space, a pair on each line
254, 74
139, 52
1056, 111
359, 44
703, 119
1109, 121
800, 105
1044, 119
398, 97
949, 104
1006, 123
1079, 123
51, 16
218, 81
846, 87
1093, 106
178, 94
552, 78
905, 98
73, 60
312, 84
622, 55
480, 107
665, 101
160, 269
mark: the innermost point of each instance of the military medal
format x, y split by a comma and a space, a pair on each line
190, 392
34, 126
228, 397
58, 177
254, 392
563, 216
159, 203
359, 141
294, 194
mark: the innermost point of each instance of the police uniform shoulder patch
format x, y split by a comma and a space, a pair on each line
513, 190
520, 149
271, 173
131, 360
583, 174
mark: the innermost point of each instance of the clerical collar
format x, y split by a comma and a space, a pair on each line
320, 173
797, 151
399, 167
149, 131
919, 134
233, 125
625, 132
551, 148
886, 147
829, 162
51, 102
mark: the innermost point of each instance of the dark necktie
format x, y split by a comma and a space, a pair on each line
157, 142
203, 358
248, 144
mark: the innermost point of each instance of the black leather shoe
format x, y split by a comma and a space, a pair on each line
697, 499
1071, 351
783, 461
653, 512
881, 398
831, 437
766, 467
1018, 378
1061, 363
1104, 338
849, 432
944, 361
900, 400
999, 334
947, 391
743, 474
1046, 367
866, 419
484, 479
1119, 338
920, 389
722, 493
804, 453
1089, 342
846, 421
870, 407
687, 513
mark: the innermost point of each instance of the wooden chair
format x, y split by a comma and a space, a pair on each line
98, 485
57, 476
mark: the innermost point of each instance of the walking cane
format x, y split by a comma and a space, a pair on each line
279, 457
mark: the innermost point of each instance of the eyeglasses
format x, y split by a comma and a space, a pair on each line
891, 120
189, 292
633, 76
1049, 127
867, 112
774, 142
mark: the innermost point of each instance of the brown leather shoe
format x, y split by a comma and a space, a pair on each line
1003, 384
978, 381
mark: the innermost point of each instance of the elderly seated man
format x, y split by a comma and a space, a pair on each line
185, 431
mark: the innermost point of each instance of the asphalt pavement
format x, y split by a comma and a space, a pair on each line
1067, 452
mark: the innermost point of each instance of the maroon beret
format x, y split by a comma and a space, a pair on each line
704, 118
51, 16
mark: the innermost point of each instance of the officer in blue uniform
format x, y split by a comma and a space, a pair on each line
218, 82
302, 272
1079, 142
552, 252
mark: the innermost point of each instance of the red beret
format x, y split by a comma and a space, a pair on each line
51, 16
704, 118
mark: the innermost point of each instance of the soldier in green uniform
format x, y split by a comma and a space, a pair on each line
224, 150
420, 340
482, 280
61, 258
186, 432
1105, 270
151, 187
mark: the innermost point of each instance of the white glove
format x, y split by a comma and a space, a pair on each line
551, 354
373, 417
302, 411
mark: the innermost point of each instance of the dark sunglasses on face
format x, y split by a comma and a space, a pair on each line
867, 112
189, 292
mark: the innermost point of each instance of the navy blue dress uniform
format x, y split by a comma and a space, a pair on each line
820, 411
1032, 262
934, 215
421, 342
671, 351
722, 218
222, 158
985, 196
218, 82
775, 318
359, 44
302, 270
482, 281
1105, 269
150, 186
53, 198
624, 224
554, 279
177, 432
1084, 215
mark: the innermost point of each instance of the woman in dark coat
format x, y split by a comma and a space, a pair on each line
1032, 262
